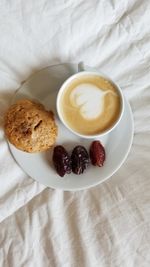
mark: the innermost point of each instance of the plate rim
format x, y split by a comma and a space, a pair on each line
97, 182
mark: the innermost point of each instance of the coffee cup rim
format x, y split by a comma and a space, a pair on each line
62, 88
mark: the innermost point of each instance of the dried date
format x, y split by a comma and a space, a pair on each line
61, 160
80, 159
97, 154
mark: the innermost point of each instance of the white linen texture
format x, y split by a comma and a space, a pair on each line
107, 225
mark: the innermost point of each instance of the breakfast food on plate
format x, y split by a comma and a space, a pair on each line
80, 159
61, 160
29, 127
97, 153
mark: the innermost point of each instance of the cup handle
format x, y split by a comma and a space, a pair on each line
81, 66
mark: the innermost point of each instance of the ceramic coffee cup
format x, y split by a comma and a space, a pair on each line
90, 104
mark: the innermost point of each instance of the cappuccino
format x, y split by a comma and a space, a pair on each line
90, 104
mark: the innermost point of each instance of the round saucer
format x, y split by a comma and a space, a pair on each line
43, 86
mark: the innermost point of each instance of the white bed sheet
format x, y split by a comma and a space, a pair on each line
108, 225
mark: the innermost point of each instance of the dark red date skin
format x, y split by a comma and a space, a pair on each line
61, 160
79, 159
97, 154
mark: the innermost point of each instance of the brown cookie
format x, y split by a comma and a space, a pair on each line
29, 127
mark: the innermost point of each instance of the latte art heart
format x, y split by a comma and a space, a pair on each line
89, 99
90, 104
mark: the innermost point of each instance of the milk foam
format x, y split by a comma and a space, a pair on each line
89, 99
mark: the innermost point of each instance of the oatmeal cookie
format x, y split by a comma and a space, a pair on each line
29, 127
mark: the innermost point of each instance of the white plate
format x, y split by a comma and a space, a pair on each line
44, 86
